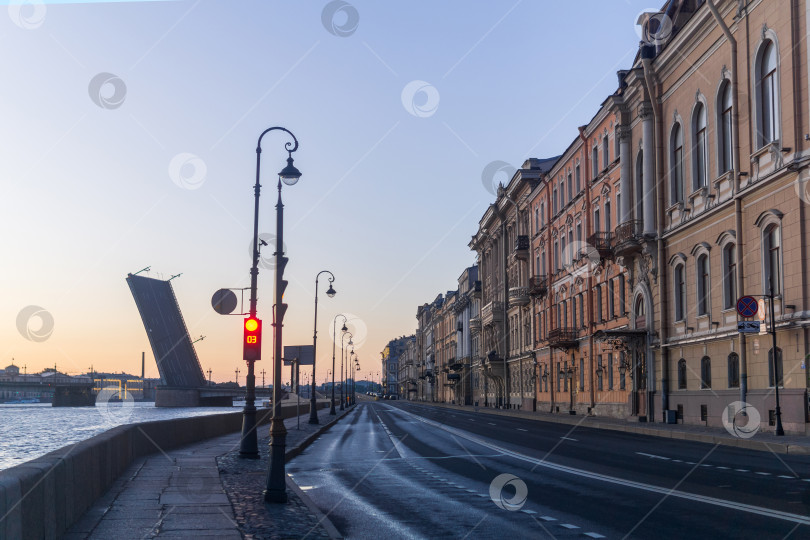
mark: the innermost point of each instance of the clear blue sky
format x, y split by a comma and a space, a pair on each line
388, 199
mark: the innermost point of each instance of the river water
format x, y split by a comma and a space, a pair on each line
28, 431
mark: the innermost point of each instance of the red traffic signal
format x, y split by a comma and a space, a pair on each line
252, 341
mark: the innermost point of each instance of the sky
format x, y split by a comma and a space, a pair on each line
128, 134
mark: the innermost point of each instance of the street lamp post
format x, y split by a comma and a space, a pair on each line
334, 341
570, 376
342, 349
276, 490
313, 412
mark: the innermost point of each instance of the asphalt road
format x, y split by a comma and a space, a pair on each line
402, 470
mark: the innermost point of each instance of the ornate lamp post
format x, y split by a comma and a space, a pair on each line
342, 349
313, 404
289, 175
334, 341
276, 478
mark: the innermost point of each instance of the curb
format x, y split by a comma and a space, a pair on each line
323, 520
748, 444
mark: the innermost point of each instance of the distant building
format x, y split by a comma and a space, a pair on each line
390, 363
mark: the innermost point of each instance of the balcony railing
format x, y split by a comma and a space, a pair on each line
538, 285
601, 241
628, 237
475, 325
518, 296
522, 247
563, 338
492, 313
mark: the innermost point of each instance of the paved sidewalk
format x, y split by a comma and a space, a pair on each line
762, 440
205, 489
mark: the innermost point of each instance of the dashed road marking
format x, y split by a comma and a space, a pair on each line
528, 512
521, 429
593, 535
570, 439
742, 470
763, 473
548, 518
569, 526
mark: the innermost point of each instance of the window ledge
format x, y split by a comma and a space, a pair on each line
773, 145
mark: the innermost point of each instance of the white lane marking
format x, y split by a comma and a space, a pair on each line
568, 526
521, 429
707, 465
548, 518
490, 423
677, 461
689, 462
694, 497
528, 512
483, 496
742, 470
724, 468
470, 491
570, 439
786, 476
763, 473
651, 455
593, 535
806, 479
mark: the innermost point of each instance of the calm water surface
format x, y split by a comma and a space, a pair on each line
32, 430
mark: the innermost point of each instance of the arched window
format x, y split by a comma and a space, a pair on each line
641, 318
772, 259
705, 372
777, 374
681, 374
703, 291
699, 148
680, 292
724, 106
767, 95
639, 190
729, 275
676, 164
733, 370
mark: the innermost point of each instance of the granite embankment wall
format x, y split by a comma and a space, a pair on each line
41, 498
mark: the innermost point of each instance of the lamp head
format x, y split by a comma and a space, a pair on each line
289, 174
331, 294
344, 329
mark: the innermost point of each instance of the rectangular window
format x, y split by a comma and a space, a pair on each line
581, 374
599, 317
581, 311
599, 372
536, 219
622, 372
611, 300
565, 315
701, 158
595, 162
562, 195
579, 178
622, 303
554, 202
610, 371
730, 276
680, 293
570, 187
543, 213
596, 227
703, 284
574, 312
579, 232
605, 153
726, 140
607, 216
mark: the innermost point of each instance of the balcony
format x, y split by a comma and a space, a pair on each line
601, 242
563, 338
628, 238
475, 325
522, 247
454, 365
492, 313
538, 285
518, 296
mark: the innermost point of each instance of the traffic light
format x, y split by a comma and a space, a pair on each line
252, 341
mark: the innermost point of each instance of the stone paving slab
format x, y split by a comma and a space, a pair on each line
205, 489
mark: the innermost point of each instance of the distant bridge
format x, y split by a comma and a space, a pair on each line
183, 381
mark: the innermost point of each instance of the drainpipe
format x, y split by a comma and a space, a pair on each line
735, 166
662, 273
589, 231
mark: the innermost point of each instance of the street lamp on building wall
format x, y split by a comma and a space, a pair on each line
313, 405
334, 341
